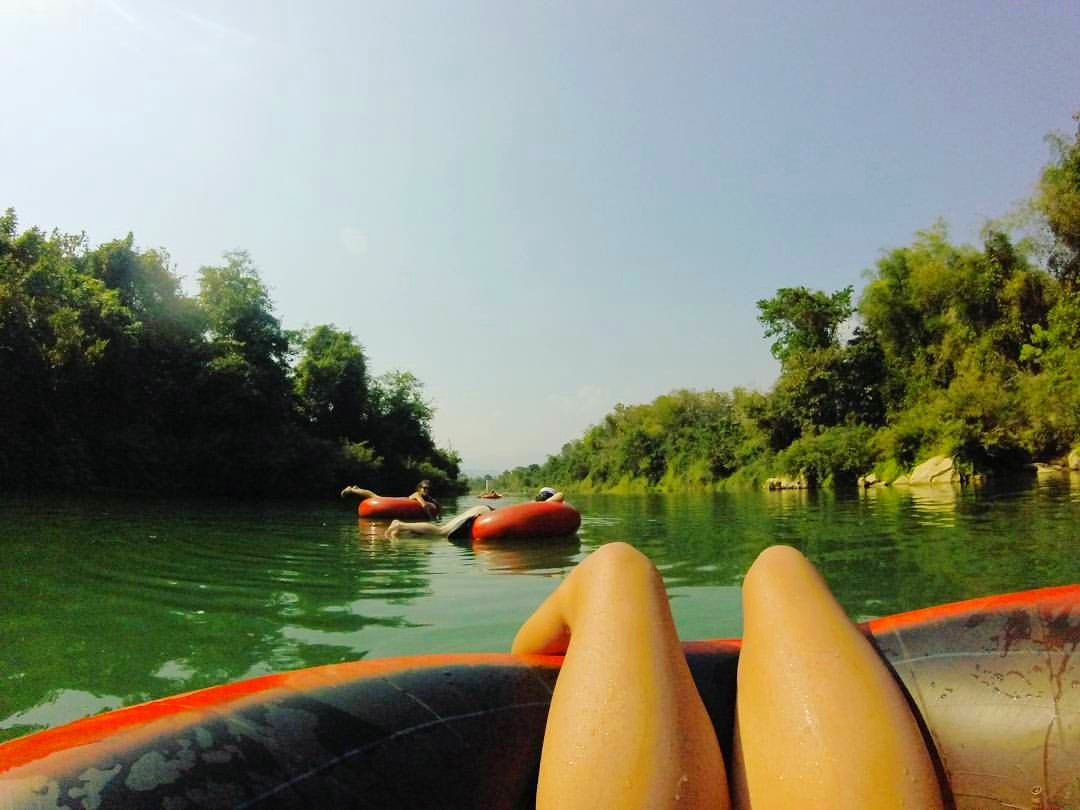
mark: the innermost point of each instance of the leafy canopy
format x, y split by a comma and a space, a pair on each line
804, 320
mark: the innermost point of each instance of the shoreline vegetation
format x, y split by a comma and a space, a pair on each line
955, 363
114, 379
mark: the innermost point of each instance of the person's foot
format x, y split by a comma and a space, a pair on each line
393, 529
349, 490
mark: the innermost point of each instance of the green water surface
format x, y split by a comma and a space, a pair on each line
109, 601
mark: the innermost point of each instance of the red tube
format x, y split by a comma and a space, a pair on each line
522, 520
393, 509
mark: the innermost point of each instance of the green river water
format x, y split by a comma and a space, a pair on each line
109, 601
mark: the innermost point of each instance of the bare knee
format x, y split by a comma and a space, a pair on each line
773, 562
615, 575
615, 566
782, 579
620, 556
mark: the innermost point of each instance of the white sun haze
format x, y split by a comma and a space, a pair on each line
42, 9
353, 239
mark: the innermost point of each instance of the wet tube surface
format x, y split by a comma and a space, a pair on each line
996, 682
526, 520
391, 509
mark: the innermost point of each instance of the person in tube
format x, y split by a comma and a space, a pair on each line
422, 495
460, 526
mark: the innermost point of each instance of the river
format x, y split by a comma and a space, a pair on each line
107, 601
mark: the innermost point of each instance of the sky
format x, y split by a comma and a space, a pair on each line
541, 209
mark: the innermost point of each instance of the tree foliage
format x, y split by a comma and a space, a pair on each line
113, 377
1058, 199
803, 320
960, 350
333, 393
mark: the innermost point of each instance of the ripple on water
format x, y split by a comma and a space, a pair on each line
105, 600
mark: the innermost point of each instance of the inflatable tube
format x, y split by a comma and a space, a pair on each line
523, 520
995, 681
392, 509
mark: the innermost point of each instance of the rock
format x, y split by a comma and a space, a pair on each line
1074, 459
786, 483
1040, 468
936, 470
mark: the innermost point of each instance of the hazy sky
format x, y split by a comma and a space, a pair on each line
540, 209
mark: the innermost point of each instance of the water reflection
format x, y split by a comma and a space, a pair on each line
137, 599
57, 707
111, 600
550, 556
933, 504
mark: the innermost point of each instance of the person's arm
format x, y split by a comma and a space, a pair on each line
558, 497
627, 728
821, 722
431, 506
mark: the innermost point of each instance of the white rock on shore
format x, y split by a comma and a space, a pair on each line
936, 470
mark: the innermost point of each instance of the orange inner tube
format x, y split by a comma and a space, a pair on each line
392, 509
992, 679
522, 520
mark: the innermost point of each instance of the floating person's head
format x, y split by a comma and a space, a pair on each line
544, 493
424, 486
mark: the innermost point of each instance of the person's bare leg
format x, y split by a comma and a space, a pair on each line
398, 526
360, 491
627, 728
820, 721
443, 529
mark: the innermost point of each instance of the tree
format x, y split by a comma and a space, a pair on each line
401, 418
331, 385
1058, 199
240, 312
246, 379
803, 320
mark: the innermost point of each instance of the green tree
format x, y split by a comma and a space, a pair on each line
837, 455
246, 377
331, 384
1058, 199
804, 320
112, 376
402, 416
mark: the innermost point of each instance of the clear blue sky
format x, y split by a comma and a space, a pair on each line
539, 208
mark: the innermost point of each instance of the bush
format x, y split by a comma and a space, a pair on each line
838, 454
